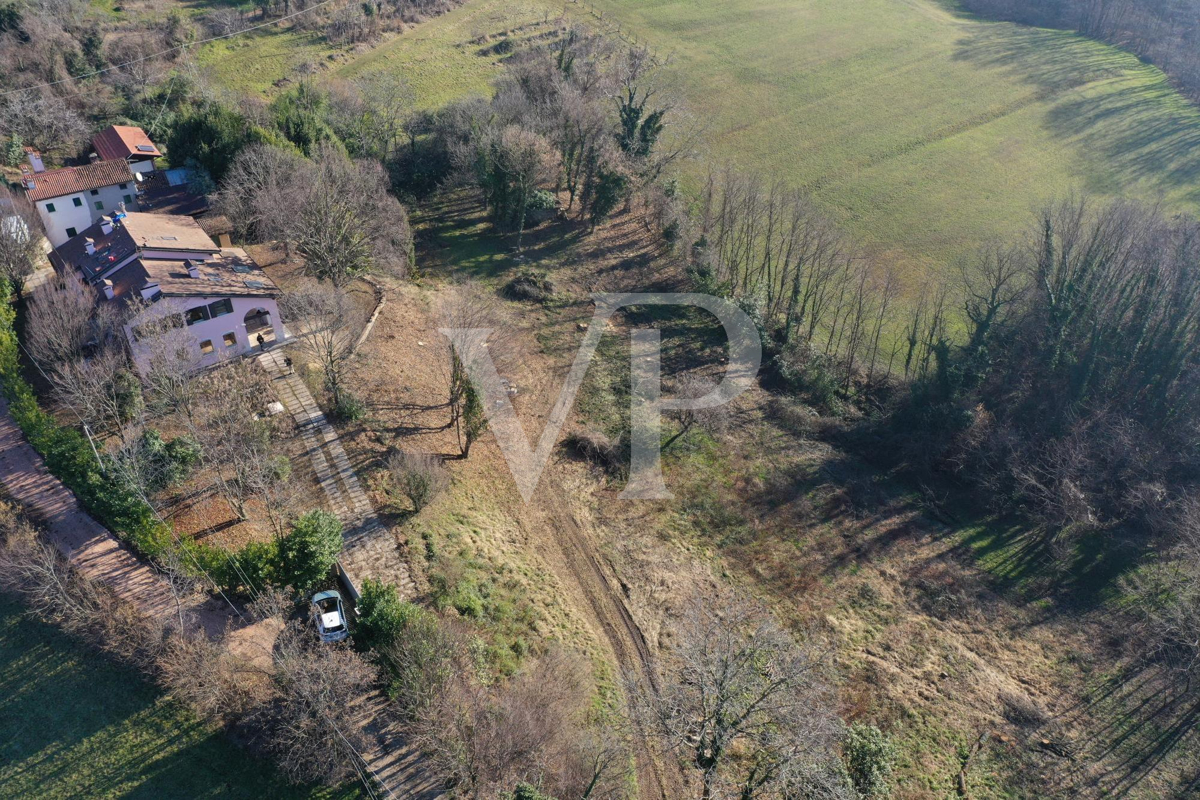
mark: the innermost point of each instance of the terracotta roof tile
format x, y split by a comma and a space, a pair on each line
123, 141
69, 180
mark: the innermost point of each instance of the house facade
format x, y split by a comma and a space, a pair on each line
171, 272
126, 143
71, 199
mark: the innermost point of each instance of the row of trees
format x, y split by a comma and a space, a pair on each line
582, 116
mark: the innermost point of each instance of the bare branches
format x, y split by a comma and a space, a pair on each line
262, 192
744, 705
64, 320
485, 739
311, 728
349, 224
992, 284
327, 324
20, 239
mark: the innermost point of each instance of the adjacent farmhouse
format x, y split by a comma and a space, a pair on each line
169, 265
71, 199
129, 144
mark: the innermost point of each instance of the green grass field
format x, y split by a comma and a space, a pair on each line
924, 132
72, 724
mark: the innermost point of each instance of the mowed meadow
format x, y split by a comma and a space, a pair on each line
923, 131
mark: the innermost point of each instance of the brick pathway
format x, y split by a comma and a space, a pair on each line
370, 549
90, 547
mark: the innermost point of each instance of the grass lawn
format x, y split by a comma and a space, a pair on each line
73, 724
923, 131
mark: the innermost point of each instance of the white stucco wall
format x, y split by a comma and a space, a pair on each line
214, 330
67, 215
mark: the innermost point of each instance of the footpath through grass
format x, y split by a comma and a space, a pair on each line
73, 724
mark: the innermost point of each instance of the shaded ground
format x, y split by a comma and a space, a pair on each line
72, 724
933, 642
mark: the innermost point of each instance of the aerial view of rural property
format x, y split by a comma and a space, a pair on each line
599, 399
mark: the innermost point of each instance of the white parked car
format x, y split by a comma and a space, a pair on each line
331, 618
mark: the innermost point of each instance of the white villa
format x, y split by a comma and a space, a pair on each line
225, 301
72, 198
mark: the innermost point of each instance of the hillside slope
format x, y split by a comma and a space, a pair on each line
923, 131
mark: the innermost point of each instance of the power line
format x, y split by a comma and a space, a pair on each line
140, 59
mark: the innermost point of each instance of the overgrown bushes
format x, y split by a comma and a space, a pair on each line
416, 651
420, 477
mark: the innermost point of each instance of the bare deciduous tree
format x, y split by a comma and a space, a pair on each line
263, 193
745, 706
100, 388
64, 320
204, 674
371, 113
486, 739
349, 224
418, 476
311, 728
20, 237
236, 441
40, 576
327, 324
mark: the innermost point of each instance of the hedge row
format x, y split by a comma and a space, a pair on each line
70, 458
68, 455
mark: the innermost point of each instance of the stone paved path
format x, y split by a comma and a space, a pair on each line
370, 549
91, 548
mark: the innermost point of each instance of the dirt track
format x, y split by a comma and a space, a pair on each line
406, 377
576, 559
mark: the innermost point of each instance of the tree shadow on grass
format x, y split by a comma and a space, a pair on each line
455, 236
1134, 127
1136, 721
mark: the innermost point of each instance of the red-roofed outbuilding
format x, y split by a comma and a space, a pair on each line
126, 143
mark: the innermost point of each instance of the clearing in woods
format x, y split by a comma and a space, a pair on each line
923, 131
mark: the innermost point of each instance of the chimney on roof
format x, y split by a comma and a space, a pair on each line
108, 289
35, 159
150, 290
106, 225
93, 158
89, 244
193, 268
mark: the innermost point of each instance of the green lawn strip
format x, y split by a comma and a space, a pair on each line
73, 724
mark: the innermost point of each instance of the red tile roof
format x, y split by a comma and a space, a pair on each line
122, 141
69, 180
